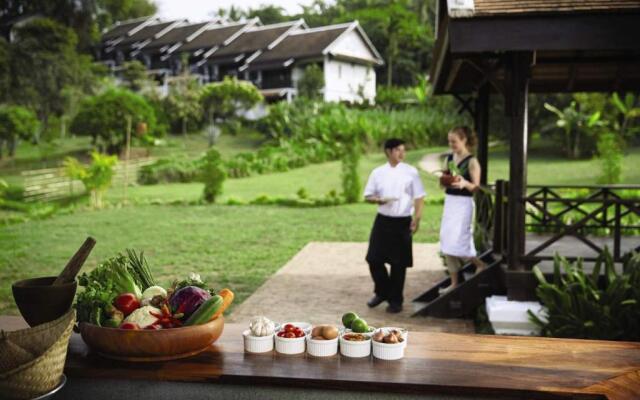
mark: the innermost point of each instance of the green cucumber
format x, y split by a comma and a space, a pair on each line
206, 310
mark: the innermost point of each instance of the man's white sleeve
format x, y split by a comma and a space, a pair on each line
370, 189
417, 187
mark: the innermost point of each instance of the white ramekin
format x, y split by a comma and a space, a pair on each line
322, 348
349, 348
403, 332
388, 351
290, 346
257, 344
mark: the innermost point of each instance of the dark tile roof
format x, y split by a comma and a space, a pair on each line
145, 33
514, 7
121, 29
211, 38
175, 35
252, 40
302, 45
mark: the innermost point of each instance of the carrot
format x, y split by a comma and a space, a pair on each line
227, 298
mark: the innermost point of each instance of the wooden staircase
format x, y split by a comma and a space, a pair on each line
470, 293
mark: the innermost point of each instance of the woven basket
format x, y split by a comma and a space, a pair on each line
46, 346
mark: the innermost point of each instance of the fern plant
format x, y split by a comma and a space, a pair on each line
578, 307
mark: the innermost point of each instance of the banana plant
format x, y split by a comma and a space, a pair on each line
628, 108
574, 122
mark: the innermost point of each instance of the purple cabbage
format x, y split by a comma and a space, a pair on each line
188, 299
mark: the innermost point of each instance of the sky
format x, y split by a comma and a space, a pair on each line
198, 10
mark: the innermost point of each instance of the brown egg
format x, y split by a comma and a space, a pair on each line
378, 336
317, 338
330, 332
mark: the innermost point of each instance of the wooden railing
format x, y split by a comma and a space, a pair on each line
608, 210
52, 183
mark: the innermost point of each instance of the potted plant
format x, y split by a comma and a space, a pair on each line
451, 174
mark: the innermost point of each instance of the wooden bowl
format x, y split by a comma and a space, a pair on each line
151, 345
40, 302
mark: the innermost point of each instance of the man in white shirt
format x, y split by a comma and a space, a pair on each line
397, 189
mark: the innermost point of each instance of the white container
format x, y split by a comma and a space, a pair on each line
510, 317
257, 344
322, 348
388, 351
291, 345
403, 332
353, 349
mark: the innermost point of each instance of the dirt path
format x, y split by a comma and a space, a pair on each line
431, 163
325, 280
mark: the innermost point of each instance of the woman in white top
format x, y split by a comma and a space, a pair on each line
456, 233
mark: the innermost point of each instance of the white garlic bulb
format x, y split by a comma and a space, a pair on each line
262, 326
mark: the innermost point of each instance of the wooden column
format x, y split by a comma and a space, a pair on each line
481, 122
516, 90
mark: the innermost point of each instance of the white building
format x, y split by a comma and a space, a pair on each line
272, 56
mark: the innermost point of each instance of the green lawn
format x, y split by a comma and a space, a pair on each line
234, 246
546, 168
317, 179
49, 155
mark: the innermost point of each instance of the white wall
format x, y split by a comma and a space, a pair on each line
352, 45
343, 81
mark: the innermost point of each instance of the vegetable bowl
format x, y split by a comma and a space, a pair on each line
151, 345
124, 314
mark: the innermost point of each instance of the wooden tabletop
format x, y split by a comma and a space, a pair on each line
434, 363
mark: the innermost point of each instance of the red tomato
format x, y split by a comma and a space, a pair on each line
289, 328
299, 334
129, 325
126, 303
281, 334
290, 335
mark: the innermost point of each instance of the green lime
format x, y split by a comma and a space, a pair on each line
359, 325
348, 318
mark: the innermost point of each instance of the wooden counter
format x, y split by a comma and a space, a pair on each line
434, 363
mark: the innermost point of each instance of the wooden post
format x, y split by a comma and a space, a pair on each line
481, 122
498, 222
127, 154
516, 91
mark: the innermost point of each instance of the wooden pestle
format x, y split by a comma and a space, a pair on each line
76, 262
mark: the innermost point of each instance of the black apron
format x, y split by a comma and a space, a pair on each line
390, 241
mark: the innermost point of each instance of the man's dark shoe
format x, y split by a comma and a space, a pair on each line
375, 301
394, 308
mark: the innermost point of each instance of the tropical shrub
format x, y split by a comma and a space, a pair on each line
212, 174
224, 101
96, 177
588, 306
168, 170
311, 83
105, 117
610, 154
16, 122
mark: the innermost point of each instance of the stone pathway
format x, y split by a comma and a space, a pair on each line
325, 280
431, 163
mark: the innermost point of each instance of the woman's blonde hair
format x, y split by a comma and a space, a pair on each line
466, 133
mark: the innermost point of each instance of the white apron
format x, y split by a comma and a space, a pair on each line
456, 228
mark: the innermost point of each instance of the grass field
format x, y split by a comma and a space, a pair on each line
316, 179
234, 246
49, 155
